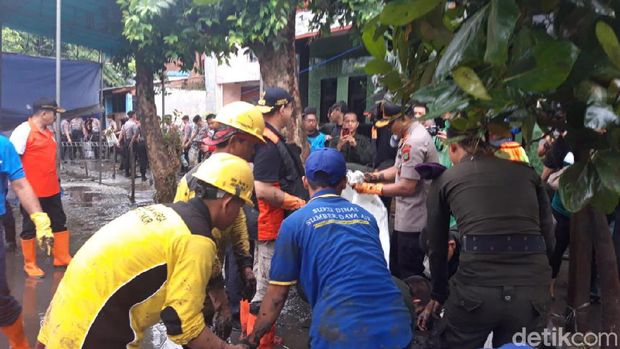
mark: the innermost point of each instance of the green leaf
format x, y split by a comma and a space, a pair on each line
464, 39
373, 40
607, 163
590, 92
604, 199
401, 12
377, 66
503, 15
609, 42
443, 97
467, 79
391, 80
577, 186
459, 123
205, 2
554, 62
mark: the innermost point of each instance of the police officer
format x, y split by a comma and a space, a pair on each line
153, 263
504, 217
278, 174
404, 182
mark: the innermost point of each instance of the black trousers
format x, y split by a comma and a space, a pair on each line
406, 254
9, 307
472, 312
8, 222
51, 205
562, 240
143, 159
126, 163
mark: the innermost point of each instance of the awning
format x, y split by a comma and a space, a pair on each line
91, 23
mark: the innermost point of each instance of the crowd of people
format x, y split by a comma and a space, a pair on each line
472, 252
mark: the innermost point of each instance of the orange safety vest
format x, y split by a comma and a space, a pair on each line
39, 161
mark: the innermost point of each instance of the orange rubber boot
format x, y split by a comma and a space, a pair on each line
29, 249
61, 249
244, 312
15, 333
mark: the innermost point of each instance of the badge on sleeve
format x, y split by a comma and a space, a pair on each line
406, 152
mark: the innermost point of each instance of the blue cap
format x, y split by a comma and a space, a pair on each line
327, 161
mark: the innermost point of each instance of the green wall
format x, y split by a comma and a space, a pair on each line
340, 68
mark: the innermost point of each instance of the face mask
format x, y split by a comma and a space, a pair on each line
394, 140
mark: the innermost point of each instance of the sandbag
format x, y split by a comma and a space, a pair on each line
372, 204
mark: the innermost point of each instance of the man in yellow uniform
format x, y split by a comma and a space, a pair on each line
240, 129
153, 263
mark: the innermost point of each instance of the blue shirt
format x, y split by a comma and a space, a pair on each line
332, 247
317, 141
10, 168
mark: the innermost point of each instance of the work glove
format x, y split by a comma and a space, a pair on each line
369, 188
249, 283
43, 228
292, 202
374, 177
222, 323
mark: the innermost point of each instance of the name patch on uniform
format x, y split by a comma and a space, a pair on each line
336, 215
406, 152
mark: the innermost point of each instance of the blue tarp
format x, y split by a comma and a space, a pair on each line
26, 78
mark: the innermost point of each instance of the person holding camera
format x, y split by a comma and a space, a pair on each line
355, 148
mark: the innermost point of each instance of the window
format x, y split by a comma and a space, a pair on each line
118, 103
328, 97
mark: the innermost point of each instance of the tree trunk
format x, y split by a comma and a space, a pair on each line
163, 160
580, 268
278, 67
607, 268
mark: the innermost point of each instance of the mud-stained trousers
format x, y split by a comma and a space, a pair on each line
263, 254
472, 312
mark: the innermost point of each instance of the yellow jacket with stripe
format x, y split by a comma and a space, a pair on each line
152, 263
236, 235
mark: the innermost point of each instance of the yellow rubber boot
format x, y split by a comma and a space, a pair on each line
15, 333
29, 249
61, 249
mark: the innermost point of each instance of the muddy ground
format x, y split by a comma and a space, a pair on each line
90, 205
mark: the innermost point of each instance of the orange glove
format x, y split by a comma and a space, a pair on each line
369, 188
291, 202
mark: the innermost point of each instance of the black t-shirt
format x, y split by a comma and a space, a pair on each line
268, 165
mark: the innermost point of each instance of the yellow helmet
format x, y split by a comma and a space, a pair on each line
229, 173
244, 117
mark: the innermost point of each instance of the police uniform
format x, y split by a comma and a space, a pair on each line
406, 255
502, 283
152, 263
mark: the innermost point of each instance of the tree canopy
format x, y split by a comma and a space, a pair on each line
524, 62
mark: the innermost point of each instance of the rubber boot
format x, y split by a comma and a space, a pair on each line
15, 333
29, 249
244, 312
61, 249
